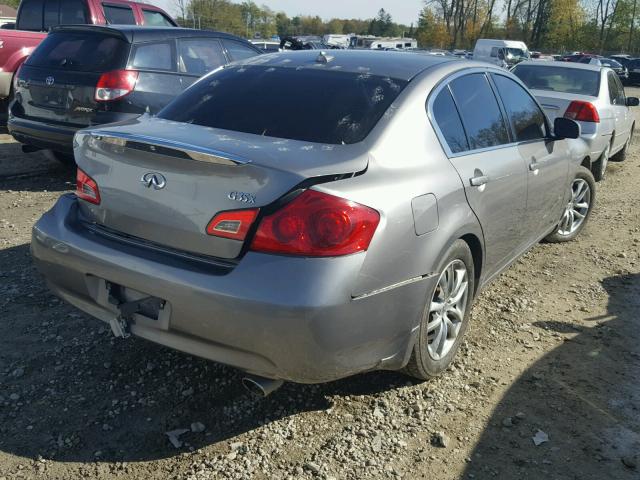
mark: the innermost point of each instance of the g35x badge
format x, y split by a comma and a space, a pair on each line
242, 197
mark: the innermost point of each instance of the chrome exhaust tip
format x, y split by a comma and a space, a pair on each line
260, 386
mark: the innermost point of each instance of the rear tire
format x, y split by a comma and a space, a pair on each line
578, 208
64, 158
444, 320
621, 156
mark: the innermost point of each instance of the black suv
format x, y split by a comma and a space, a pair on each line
81, 76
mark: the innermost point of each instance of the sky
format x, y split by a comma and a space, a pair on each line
402, 11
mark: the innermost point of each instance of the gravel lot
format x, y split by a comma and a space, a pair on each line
553, 353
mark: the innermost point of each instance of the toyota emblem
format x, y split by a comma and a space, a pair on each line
155, 180
49, 81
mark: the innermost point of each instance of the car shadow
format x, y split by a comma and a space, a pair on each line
72, 392
585, 395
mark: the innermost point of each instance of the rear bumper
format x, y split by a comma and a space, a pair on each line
57, 137
275, 316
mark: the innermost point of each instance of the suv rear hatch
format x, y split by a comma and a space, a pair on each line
57, 83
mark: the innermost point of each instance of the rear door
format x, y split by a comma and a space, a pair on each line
158, 79
620, 111
58, 81
547, 161
197, 57
489, 164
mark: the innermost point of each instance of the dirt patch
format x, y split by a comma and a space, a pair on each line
554, 348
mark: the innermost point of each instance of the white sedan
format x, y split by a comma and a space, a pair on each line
591, 95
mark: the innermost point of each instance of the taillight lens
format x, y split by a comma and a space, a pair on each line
316, 224
582, 112
114, 85
87, 188
234, 224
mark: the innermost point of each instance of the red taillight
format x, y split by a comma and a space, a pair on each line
582, 112
233, 224
87, 188
114, 85
316, 224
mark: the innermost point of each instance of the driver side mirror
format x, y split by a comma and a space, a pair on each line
633, 101
565, 128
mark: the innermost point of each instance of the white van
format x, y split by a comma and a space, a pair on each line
505, 53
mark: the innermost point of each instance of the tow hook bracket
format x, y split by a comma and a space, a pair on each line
147, 307
120, 327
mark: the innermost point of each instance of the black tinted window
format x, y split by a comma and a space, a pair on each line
616, 91
559, 79
479, 110
80, 52
308, 104
446, 117
155, 19
51, 13
73, 12
525, 116
154, 56
200, 55
238, 51
119, 15
30, 17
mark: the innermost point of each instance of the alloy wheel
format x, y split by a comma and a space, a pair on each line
447, 309
577, 208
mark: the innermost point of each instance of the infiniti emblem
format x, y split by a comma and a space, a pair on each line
155, 180
49, 81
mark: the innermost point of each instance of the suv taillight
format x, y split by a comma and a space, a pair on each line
317, 224
582, 112
114, 85
87, 188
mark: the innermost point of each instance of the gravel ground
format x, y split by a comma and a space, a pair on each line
552, 357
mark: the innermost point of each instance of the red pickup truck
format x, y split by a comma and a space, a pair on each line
36, 17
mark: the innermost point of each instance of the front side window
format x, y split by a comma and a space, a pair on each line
200, 55
445, 115
481, 115
527, 120
119, 15
156, 19
238, 51
614, 94
154, 56
309, 104
30, 16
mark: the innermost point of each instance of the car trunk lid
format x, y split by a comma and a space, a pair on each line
206, 171
555, 104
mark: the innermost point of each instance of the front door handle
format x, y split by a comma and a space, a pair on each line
479, 181
533, 166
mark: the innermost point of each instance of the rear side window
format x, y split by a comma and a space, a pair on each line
481, 115
445, 114
200, 55
156, 19
527, 120
80, 52
119, 15
30, 17
308, 104
154, 56
238, 51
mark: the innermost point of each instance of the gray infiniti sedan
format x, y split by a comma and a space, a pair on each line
307, 216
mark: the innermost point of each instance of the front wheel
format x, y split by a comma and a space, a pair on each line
445, 318
578, 209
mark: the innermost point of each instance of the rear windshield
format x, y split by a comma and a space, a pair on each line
300, 104
80, 52
559, 79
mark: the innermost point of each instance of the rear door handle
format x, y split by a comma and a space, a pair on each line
479, 181
533, 166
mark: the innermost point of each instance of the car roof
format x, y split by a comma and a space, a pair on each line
575, 65
138, 33
397, 65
